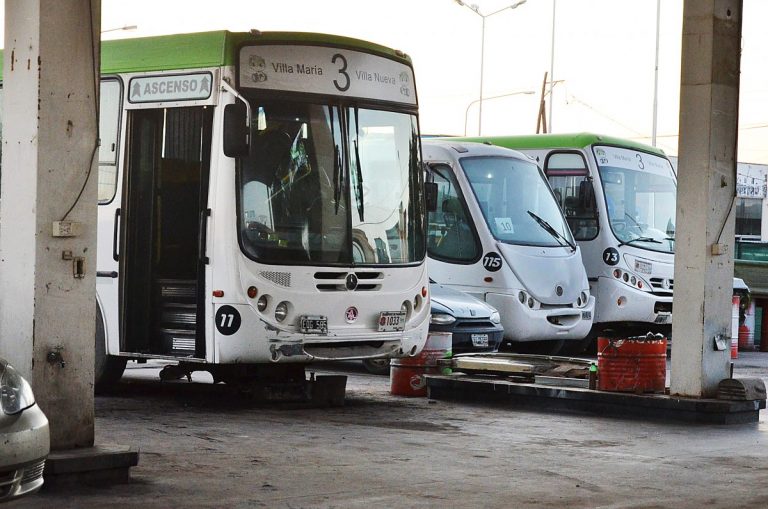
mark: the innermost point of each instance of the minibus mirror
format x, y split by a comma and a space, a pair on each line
236, 129
586, 195
430, 196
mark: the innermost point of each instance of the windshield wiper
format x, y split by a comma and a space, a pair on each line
549, 229
338, 173
639, 239
360, 203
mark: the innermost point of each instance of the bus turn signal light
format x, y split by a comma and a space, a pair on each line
218, 293
252, 292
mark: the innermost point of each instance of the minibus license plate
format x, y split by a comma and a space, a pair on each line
314, 324
663, 319
390, 321
479, 340
586, 315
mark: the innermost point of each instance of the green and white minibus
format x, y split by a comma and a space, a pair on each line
261, 202
619, 198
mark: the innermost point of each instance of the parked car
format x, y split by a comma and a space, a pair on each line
475, 326
24, 436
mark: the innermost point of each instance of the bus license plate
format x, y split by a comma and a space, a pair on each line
663, 319
314, 325
391, 321
586, 315
479, 340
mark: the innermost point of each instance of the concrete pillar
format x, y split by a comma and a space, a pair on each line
709, 106
50, 98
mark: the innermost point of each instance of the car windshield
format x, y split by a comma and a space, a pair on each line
640, 197
516, 201
331, 185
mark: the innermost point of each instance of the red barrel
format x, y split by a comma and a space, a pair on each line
632, 364
406, 375
744, 338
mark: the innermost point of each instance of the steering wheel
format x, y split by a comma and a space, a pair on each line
263, 231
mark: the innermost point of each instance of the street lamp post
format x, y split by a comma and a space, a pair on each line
474, 8
466, 114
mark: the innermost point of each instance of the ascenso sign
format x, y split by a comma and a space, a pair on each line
166, 88
330, 71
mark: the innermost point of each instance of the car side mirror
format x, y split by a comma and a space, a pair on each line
236, 129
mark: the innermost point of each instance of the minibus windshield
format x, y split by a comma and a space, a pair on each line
640, 197
516, 201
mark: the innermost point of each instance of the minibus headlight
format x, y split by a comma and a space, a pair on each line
496, 317
15, 393
442, 319
261, 304
281, 311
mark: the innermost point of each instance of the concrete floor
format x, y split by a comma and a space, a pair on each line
201, 446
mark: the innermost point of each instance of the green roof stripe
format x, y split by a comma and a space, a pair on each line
208, 49
573, 140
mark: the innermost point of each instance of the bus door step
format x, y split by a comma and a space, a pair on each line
179, 342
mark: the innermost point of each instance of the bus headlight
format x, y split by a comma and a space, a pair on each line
632, 280
442, 319
496, 317
527, 300
582, 300
281, 311
261, 304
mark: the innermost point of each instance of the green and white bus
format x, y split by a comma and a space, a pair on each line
261, 203
619, 198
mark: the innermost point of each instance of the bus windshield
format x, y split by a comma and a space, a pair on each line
640, 197
516, 201
331, 185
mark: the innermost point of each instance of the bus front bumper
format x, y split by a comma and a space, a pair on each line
620, 303
265, 344
522, 324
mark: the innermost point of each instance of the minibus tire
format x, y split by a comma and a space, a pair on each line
107, 369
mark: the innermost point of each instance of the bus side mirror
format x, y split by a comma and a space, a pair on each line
236, 129
430, 196
586, 195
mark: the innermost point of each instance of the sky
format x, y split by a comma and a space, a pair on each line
604, 53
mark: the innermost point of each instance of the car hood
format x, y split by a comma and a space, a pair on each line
456, 303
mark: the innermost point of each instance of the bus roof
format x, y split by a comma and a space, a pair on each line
209, 49
572, 140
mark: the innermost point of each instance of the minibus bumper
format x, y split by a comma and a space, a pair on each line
618, 302
523, 324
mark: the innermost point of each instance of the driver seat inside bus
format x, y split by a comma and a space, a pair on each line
457, 234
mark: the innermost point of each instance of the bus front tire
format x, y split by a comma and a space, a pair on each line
107, 369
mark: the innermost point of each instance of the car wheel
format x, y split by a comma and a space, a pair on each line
377, 366
107, 369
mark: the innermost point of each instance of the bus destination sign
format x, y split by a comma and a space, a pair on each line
170, 87
322, 70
